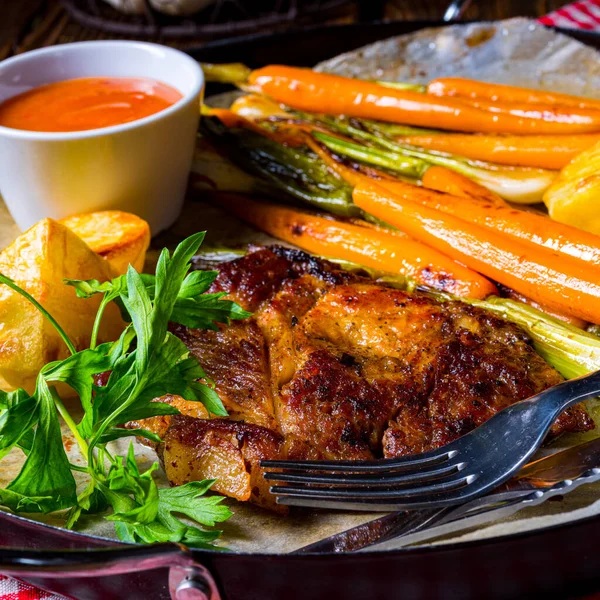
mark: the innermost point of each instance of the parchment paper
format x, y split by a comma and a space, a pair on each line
516, 51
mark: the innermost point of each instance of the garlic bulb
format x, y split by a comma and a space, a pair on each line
179, 7
130, 7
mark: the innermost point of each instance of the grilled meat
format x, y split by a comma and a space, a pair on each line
335, 366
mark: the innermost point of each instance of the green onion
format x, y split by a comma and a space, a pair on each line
516, 184
392, 130
403, 85
570, 350
226, 73
295, 171
406, 165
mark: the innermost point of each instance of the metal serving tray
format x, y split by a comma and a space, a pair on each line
555, 562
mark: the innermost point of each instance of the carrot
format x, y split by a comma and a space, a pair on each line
502, 218
559, 282
308, 90
369, 245
547, 112
469, 88
300, 132
541, 151
435, 178
451, 182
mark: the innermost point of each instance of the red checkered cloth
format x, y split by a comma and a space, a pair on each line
12, 589
584, 14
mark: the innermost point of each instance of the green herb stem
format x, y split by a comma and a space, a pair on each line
96, 328
64, 413
79, 469
13, 286
111, 419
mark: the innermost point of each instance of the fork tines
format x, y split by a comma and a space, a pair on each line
363, 466
358, 484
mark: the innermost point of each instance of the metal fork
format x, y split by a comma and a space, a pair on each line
456, 473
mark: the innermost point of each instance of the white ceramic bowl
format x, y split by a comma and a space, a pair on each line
141, 167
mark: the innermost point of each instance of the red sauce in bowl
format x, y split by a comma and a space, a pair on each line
87, 103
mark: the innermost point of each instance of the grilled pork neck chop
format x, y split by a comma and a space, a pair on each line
335, 366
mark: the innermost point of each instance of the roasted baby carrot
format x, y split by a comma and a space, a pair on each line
559, 282
541, 151
304, 89
369, 245
451, 182
502, 218
557, 113
469, 88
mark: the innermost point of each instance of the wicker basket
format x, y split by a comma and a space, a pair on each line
222, 19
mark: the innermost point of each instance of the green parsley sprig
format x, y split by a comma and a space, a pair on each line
146, 362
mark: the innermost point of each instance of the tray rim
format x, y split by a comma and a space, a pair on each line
116, 545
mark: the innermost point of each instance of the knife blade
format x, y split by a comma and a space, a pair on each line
558, 473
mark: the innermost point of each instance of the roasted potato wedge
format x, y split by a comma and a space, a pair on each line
573, 198
228, 451
38, 261
120, 237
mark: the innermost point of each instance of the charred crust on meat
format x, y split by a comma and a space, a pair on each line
347, 359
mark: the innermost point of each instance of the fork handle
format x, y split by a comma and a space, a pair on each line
555, 400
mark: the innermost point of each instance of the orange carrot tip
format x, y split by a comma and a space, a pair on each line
456, 184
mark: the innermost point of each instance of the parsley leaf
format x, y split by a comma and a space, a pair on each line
78, 371
46, 471
193, 306
152, 517
186, 500
18, 421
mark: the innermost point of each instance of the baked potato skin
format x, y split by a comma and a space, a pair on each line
38, 261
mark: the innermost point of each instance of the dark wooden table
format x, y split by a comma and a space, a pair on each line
29, 24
